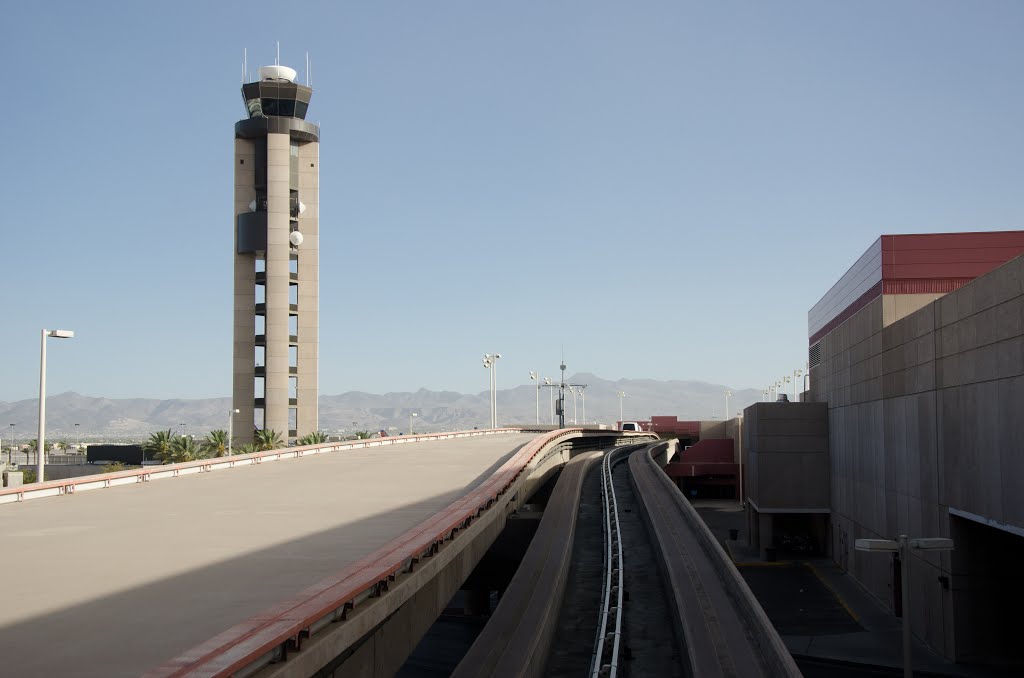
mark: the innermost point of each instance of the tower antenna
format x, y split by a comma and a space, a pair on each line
307, 68
245, 63
277, 61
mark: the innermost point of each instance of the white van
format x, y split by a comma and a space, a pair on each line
630, 426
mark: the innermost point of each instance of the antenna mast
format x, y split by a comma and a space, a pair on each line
277, 61
245, 63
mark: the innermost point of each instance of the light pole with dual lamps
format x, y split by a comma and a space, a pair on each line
41, 440
411, 415
622, 396
533, 377
583, 402
551, 399
903, 545
489, 360
739, 453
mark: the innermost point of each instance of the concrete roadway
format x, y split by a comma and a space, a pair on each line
114, 582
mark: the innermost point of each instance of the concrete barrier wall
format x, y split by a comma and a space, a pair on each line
774, 655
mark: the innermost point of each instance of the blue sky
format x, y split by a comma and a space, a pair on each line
664, 188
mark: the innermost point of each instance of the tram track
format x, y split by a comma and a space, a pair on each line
632, 585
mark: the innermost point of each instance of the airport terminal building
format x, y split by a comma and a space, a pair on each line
918, 353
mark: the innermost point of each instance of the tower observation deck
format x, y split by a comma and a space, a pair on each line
277, 275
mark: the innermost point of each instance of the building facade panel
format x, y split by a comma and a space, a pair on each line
865, 273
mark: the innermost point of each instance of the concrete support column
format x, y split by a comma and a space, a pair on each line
278, 255
243, 388
309, 288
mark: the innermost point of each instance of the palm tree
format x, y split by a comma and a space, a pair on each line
267, 439
314, 438
215, 444
184, 448
246, 449
159, 445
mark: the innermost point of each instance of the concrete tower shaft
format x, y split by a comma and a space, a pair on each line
277, 274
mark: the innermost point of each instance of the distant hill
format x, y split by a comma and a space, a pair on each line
436, 410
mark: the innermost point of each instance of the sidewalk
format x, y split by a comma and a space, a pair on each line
819, 610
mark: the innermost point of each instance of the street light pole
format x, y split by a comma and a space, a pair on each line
551, 399
533, 377
41, 439
622, 396
231, 428
494, 388
727, 394
411, 415
583, 402
489, 362
739, 453
903, 545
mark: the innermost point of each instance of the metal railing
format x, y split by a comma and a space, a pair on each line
55, 488
31, 458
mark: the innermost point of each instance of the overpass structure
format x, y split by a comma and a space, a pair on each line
180, 570
337, 562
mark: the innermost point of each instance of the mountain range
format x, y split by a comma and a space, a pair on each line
74, 416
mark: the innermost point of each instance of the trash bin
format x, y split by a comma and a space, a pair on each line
769, 554
734, 535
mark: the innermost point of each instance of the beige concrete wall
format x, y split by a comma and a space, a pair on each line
924, 416
243, 361
787, 455
898, 306
309, 288
278, 263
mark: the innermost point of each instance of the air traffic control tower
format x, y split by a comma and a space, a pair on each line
277, 274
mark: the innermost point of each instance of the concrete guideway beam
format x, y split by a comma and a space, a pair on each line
726, 631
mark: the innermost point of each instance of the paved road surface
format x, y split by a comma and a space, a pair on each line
114, 582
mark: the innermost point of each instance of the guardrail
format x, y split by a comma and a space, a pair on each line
30, 459
270, 636
56, 488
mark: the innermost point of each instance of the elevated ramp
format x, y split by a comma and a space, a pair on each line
118, 580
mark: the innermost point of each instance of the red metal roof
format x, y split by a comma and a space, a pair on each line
925, 263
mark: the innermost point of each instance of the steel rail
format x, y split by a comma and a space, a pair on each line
613, 579
69, 486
